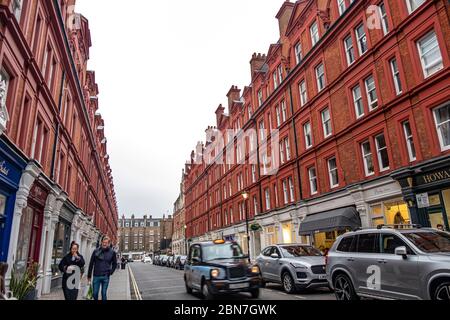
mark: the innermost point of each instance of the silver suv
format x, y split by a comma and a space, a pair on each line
396, 262
295, 266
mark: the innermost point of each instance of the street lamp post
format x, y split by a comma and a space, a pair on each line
246, 195
186, 249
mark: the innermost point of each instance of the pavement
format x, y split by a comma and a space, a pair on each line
161, 283
119, 288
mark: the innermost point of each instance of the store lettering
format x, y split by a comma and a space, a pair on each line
3, 169
437, 176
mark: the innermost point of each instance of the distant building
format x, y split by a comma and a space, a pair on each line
145, 235
179, 223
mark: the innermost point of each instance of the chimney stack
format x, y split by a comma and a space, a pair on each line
257, 62
233, 95
219, 113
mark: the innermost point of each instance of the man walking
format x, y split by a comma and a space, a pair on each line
103, 264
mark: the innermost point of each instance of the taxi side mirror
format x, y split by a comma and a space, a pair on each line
196, 260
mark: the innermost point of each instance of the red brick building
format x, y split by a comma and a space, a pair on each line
359, 91
66, 189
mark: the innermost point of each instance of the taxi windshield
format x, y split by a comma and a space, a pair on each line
222, 252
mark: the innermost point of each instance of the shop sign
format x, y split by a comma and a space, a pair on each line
3, 169
423, 201
438, 176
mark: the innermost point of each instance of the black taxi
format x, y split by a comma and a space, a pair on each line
220, 267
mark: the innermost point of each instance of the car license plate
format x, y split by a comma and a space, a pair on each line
239, 285
323, 277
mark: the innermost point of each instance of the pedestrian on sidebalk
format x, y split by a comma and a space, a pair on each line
68, 267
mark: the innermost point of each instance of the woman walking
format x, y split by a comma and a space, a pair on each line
69, 266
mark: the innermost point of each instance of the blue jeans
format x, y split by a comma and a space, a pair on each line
104, 283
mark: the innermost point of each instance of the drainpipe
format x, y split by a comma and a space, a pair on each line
58, 125
296, 143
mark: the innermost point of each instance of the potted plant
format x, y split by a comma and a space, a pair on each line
255, 227
23, 285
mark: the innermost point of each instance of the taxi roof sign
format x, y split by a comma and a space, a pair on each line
219, 241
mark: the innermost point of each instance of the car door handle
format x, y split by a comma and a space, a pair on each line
382, 261
350, 259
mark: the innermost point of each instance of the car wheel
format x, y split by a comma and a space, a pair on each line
442, 292
288, 283
255, 293
343, 289
207, 295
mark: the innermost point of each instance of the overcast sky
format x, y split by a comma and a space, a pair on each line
162, 68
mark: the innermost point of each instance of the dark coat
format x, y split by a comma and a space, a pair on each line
68, 260
103, 262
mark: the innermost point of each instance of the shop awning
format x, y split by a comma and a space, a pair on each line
344, 218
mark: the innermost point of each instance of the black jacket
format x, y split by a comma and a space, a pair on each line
69, 261
103, 262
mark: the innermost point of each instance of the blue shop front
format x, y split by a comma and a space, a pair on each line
12, 165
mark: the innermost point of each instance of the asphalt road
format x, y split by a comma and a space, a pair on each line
161, 283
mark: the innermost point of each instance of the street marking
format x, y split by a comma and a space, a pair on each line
135, 286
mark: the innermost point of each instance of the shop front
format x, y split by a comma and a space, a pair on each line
30, 228
426, 191
323, 228
11, 167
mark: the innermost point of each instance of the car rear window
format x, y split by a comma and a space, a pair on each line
347, 245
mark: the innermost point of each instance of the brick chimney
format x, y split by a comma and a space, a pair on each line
283, 16
257, 62
233, 95
219, 113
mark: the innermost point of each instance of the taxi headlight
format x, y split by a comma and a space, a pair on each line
215, 273
255, 269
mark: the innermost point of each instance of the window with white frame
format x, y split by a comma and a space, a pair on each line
409, 141
333, 172
264, 163
414, 4
371, 91
430, 54
255, 205
308, 135
396, 76
262, 130
358, 102
285, 192
282, 156
280, 74
382, 152
267, 194
383, 17
260, 97
320, 76
291, 189
5, 77
283, 111
313, 186
298, 53
254, 173
367, 155
442, 120
314, 30
288, 149
17, 6
278, 115
250, 112
342, 7
362, 39
275, 80
349, 50
326, 122
303, 93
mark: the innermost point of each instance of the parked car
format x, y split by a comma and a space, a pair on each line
180, 262
295, 266
147, 260
172, 264
219, 267
156, 260
163, 260
391, 262
170, 261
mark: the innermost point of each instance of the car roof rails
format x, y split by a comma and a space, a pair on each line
399, 226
